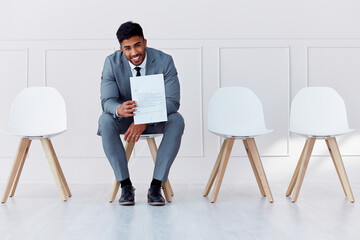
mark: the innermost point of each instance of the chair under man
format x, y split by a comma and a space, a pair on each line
129, 146
318, 113
237, 113
37, 113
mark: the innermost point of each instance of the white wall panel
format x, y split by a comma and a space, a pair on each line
337, 67
77, 75
13, 78
266, 72
188, 63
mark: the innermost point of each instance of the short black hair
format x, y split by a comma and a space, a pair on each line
128, 30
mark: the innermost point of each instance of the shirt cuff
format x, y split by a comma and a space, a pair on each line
116, 113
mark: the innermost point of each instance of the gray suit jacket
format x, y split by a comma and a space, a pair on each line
115, 80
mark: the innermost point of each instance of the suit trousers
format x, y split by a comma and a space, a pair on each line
110, 129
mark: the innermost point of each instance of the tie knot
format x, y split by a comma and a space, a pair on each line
138, 71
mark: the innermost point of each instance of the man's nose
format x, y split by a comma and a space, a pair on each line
133, 52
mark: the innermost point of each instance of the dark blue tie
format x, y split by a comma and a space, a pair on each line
138, 71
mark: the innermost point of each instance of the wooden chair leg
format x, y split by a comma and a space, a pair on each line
63, 179
303, 166
153, 149
225, 158
259, 168
168, 185
339, 165
23, 158
23, 145
167, 192
296, 173
114, 191
129, 146
251, 159
336, 167
51, 156
215, 170
58, 168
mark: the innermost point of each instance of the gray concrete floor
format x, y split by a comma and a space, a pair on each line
322, 212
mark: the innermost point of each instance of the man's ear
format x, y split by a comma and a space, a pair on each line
145, 42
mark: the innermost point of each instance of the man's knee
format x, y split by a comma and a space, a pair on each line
106, 123
176, 121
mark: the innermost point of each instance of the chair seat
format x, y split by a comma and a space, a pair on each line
323, 134
144, 136
33, 134
243, 135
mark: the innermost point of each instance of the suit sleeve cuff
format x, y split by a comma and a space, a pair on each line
116, 115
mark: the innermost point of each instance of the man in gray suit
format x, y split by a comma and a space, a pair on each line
135, 59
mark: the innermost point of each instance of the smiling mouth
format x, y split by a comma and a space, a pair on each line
136, 58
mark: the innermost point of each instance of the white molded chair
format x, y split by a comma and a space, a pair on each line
237, 113
37, 113
129, 146
318, 113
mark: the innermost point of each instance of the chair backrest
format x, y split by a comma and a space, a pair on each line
236, 111
318, 111
38, 111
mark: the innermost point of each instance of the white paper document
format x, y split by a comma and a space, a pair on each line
149, 93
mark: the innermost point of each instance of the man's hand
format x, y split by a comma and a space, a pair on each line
127, 109
134, 131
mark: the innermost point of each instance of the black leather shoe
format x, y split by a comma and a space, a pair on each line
127, 195
154, 196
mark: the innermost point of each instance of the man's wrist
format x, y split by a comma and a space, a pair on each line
117, 112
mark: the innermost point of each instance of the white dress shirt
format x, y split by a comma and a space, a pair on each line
142, 66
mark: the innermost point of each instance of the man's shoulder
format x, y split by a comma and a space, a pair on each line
115, 57
157, 54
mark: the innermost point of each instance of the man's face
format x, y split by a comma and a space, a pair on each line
134, 49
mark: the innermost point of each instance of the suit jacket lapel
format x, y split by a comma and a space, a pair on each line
150, 64
126, 74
